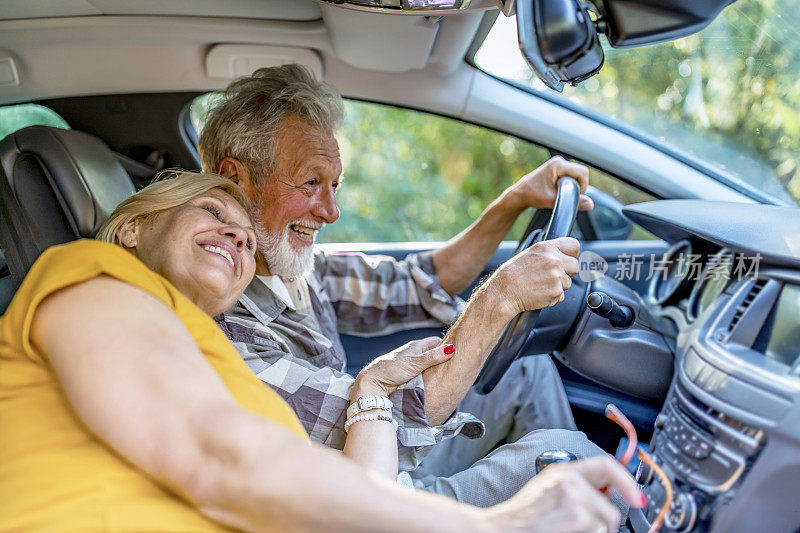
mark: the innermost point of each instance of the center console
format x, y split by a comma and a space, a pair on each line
728, 436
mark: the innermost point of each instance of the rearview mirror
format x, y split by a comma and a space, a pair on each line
560, 38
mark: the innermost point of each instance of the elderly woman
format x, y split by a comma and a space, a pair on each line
123, 407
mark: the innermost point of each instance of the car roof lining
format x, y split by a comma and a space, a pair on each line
84, 55
299, 10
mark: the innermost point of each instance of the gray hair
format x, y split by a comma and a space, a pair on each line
170, 189
245, 121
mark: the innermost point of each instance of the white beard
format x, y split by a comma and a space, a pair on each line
282, 258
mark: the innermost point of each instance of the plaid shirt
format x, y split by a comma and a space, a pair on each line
299, 354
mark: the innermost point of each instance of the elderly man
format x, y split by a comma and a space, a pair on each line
273, 133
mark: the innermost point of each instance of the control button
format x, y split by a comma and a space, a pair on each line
673, 449
682, 513
689, 449
699, 454
702, 449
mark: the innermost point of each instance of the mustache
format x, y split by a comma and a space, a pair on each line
308, 224
265, 239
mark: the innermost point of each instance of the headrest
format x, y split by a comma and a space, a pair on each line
58, 185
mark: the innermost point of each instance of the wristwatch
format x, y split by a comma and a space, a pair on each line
365, 403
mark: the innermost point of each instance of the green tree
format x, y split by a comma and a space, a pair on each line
729, 94
413, 176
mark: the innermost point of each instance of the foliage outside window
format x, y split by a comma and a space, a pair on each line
729, 95
200, 107
16, 117
413, 176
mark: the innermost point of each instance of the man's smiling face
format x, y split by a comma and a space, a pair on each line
298, 198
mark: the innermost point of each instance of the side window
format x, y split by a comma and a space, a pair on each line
198, 109
414, 176
619, 191
16, 117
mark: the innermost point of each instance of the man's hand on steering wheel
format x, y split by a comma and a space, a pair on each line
539, 188
515, 340
538, 276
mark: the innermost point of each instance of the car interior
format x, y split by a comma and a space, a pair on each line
706, 367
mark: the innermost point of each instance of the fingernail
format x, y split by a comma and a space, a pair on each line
642, 499
449, 349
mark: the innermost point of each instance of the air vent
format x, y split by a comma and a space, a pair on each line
742, 307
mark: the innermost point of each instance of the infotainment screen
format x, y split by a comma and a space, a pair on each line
779, 338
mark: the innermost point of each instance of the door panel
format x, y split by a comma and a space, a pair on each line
362, 350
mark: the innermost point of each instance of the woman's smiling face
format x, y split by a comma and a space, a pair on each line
205, 247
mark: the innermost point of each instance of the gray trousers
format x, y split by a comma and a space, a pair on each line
526, 414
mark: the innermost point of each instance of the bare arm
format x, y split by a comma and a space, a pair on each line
122, 358
374, 444
534, 279
461, 259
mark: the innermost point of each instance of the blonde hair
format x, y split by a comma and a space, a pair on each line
170, 189
247, 117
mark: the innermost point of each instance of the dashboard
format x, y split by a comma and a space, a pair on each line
693, 284
728, 434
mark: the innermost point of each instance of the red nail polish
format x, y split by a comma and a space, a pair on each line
449, 349
642, 499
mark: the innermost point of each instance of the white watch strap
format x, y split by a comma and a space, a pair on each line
365, 403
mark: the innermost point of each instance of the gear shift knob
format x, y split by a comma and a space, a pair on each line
553, 456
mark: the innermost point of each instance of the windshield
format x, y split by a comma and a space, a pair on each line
728, 96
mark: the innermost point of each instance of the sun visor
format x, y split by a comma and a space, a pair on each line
375, 41
231, 61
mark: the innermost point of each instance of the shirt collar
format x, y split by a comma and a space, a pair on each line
276, 285
262, 302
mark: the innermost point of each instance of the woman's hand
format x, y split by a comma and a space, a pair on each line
567, 498
373, 444
385, 373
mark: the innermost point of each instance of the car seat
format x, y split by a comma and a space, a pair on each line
56, 185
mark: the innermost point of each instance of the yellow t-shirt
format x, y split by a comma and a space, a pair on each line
54, 474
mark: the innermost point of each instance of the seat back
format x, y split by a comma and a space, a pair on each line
56, 185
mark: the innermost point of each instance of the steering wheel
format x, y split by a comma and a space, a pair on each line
516, 337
